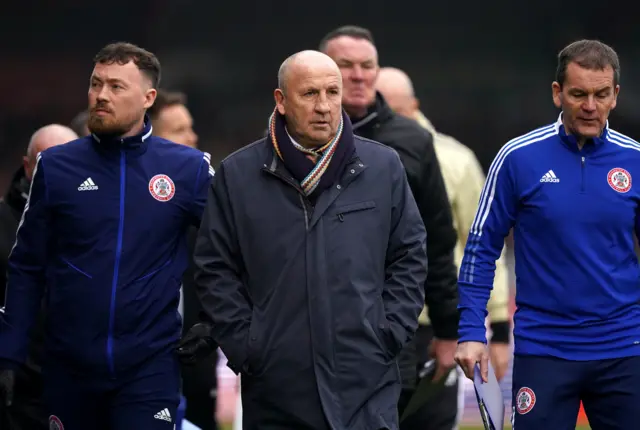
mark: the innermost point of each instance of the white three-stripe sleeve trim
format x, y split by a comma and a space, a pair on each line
622, 140
488, 190
24, 213
207, 158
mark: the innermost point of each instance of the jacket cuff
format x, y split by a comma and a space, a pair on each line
446, 328
500, 332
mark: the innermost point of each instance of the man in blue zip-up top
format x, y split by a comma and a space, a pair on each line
103, 238
567, 191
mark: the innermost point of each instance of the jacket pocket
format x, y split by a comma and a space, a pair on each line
252, 364
343, 211
74, 267
154, 271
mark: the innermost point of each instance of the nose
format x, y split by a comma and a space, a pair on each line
356, 73
322, 104
589, 104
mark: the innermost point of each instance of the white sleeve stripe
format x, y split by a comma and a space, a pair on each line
207, 157
624, 145
495, 168
483, 214
24, 212
621, 136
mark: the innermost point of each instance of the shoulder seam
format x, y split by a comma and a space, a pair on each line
244, 148
488, 191
622, 140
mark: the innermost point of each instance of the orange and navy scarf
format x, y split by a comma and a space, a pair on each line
317, 169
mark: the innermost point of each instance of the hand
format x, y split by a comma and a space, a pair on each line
443, 351
7, 383
500, 354
470, 353
196, 344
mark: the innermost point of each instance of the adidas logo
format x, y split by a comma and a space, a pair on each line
88, 185
549, 177
163, 415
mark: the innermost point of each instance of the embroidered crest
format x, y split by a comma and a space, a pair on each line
525, 400
161, 188
619, 179
55, 423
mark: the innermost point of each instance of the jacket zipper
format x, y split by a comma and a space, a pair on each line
300, 195
582, 172
116, 267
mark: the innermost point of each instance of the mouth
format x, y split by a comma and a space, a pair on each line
320, 123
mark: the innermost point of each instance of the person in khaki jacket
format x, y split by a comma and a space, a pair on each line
464, 178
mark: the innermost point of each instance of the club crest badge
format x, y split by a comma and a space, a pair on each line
162, 188
525, 400
619, 179
55, 423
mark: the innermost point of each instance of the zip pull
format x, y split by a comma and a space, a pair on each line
341, 217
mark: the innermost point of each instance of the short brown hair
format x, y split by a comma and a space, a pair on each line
123, 52
588, 54
353, 31
164, 99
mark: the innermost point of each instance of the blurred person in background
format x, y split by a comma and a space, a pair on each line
26, 411
567, 191
311, 263
171, 120
103, 234
354, 50
79, 124
464, 179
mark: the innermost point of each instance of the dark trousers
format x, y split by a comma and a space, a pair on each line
145, 398
441, 412
27, 411
199, 388
547, 392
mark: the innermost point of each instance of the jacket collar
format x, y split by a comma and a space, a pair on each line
571, 141
16, 196
378, 112
136, 143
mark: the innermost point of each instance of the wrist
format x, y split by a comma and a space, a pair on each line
500, 332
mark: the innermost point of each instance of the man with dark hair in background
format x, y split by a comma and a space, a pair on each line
353, 49
103, 234
79, 123
172, 121
26, 411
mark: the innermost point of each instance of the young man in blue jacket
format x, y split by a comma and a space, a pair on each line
102, 237
567, 191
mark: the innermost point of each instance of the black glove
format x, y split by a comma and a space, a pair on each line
196, 344
7, 383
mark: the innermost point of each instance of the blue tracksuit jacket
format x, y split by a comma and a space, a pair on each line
103, 237
574, 213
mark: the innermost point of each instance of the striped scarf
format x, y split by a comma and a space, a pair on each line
321, 156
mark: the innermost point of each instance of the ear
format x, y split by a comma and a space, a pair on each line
278, 95
25, 165
616, 91
556, 92
150, 97
415, 104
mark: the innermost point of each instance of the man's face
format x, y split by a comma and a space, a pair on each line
586, 99
358, 62
398, 100
174, 123
312, 103
118, 97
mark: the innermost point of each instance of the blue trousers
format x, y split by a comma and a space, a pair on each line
144, 398
547, 392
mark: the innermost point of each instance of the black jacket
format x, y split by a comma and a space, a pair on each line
26, 413
414, 144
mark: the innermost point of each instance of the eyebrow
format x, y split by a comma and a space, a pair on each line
111, 80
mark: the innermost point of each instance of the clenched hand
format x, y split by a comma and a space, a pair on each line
470, 353
443, 351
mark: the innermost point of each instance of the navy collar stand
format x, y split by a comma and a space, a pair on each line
571, 141
137, 141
